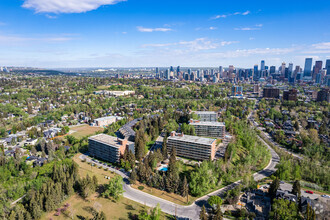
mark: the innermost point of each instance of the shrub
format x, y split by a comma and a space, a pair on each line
141, 187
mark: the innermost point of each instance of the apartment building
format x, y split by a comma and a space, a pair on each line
108, 148
209, 129
271, 92
193, 147
105, 121
206, 115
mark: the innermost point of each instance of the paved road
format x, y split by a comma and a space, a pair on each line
277, 145
191, 211
266, 135
288, 187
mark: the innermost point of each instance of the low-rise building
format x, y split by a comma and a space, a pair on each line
105, 121
207, 115
193, 147
209, 129
108, 148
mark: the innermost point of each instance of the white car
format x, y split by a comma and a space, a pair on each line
326, 196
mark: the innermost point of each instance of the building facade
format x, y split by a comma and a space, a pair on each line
105, 121
193, 147
209, 129
207, 115
290, 95
323, 95
108, 148
271, 92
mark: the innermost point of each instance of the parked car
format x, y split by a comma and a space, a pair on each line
281, 182
326, 196
310, 192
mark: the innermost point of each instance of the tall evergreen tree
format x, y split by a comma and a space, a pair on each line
296, 189
164, 148
185, 188
133, 177
203, 214
273, 188
218, 214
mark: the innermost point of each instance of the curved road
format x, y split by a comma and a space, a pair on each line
192, 211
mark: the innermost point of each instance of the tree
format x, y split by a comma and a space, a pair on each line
203, 214
172, 162
164, 148
133, 176
310, 213
185, 188
114, 188
296, 189
284, 209
156, 212
140, 144
215, 201
98, 215
273, 188
131, 159
296, 125
95, 181
218, 214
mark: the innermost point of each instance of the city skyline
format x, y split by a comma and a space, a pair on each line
115, 33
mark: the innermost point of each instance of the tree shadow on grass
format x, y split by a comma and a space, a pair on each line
129, 207
80, 217
88, 209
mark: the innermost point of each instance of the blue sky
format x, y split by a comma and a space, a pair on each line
139, 33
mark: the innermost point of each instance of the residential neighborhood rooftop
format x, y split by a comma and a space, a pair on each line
108, 140
193, 139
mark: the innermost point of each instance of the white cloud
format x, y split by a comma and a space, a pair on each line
251, 38
218, 16
143, 29
199, 44
246, 29
246, 13
66, 6
256, 27
227, 15
224, 43
51, 16
157, 45
213, 28
322, 46
16, 39
319, 48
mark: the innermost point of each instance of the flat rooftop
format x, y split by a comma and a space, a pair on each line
204, 112
108, 140
105, 118
193, 139
208, 123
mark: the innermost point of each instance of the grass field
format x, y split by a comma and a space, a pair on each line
81, 209
85, 168
84, 130
102, 87
172, 197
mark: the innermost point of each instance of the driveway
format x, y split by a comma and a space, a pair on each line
184, 212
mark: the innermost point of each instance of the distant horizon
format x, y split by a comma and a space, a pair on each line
167, 67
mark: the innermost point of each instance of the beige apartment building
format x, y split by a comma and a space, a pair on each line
193, 147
